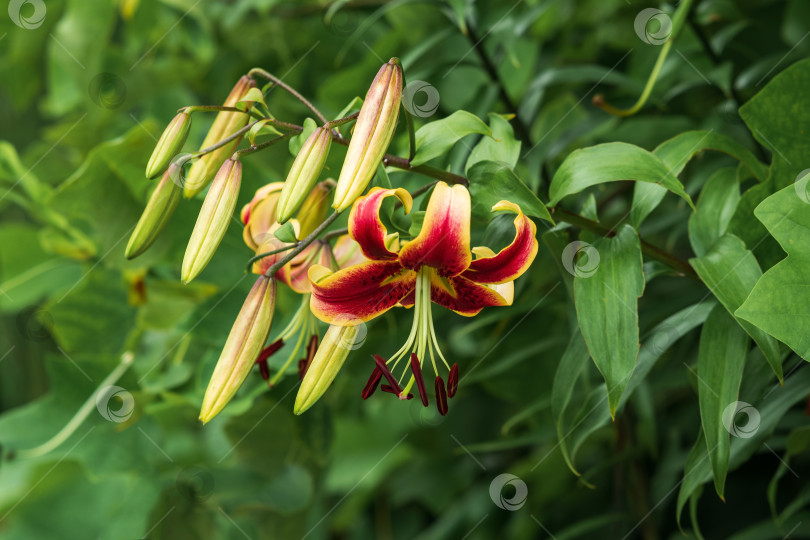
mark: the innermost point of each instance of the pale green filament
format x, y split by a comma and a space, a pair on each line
303, 324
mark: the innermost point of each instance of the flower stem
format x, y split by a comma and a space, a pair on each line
261, 256
301, 245
292, 91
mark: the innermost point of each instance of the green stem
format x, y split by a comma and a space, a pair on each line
261, 256
341, 121
196, 108
678, 20
292, 91
302, 245
236, 134
265, 144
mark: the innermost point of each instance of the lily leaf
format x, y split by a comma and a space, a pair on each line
491, 182
436, 138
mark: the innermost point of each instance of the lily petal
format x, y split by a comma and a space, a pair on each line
259, 215
360, 292
366, 227
294, 273
347, 252
444, 241
464, 296
512, 260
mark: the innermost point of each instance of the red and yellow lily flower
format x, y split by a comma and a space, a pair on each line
437, 266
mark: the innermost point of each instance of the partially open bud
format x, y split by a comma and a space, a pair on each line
371, 136
159, 209
225, 124
336, 345
213, 220
304, 173
244, 343
170, 143
315, 208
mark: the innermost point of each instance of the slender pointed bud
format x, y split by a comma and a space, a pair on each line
225, 124
371, 136
213, 220
336, 345
169, 145
247, 337
315, 208
304, 173
161, 206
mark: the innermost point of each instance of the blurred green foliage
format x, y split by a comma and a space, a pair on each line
85, 91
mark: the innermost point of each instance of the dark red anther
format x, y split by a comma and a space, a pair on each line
452, 381
387, 373
303, 364
441, 396
264, 370
420, 382
371, 385
270, 350
387, 388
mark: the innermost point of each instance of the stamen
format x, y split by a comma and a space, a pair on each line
371, 385
441, 396
388, 375
264, 370
387, 388
303, 364
452, 381
420, 382
270, 350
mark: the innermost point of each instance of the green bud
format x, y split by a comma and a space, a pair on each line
225, 124
161, 206
244, 343
304, 173
336, 345
372, 134
213, 220
315, 208
170, 143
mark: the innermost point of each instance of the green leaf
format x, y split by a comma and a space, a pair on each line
254, 95
715, 207
721, 358
676, 153
436, 138
573, 361
731, 271
502, 147
611, 162
491, 182
286, 233
607, 309
262, 127
779, 304
298, 141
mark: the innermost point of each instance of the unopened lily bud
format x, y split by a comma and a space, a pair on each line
170, 143
315, 208
225, 124
161, 206
371, 136
336, 345
244, 343
304, 173
213, 220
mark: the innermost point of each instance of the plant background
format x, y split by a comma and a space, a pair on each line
83, 97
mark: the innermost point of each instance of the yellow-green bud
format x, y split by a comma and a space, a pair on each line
159, 209
213, 220
336, 345
244, 343
371, 136
170, 143
225, 124
314, 208
304, 173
